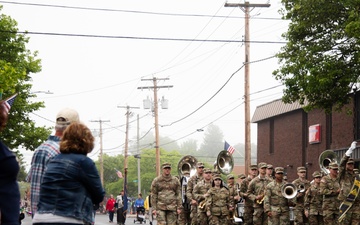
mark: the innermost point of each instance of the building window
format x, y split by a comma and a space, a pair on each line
271, 150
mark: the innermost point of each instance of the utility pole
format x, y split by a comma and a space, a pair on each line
245, 8
101, 150
138, 152
128, 114
155, 87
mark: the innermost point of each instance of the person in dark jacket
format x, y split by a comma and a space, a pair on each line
71, 185
9, 169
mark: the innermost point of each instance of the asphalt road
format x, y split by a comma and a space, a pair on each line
100, 219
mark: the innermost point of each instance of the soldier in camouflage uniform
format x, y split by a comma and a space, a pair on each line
184, 216
234, 195
256, 192
248, 203
313, 201
189, 191
330, 189
300, 183
346, 179
276, 206
218, 203
199, 193
166, 197
270, 171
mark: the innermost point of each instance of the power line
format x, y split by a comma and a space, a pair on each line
132, 11
140, 38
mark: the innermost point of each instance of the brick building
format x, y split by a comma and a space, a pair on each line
290, 137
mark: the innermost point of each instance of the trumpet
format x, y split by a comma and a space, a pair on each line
260, 201
202, 204
301, 188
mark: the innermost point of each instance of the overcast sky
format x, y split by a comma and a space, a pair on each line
96, 53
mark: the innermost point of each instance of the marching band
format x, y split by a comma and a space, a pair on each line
264, 198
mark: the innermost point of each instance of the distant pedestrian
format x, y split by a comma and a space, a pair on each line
120, 212
9, 169
110, 208
71, 185
45, 152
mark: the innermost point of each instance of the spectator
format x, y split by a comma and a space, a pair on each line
9, 167
121, 213
47, 151
71, 185
139, 202
110, 207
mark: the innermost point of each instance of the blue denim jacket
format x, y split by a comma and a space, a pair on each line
70, 187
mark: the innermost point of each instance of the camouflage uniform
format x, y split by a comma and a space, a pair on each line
184, 216
217, 204
200, 190
300, 218
257, 187
346, 180
248, 204
276, 203
313, 203
189, 194
166, 198
232, 193
330, 206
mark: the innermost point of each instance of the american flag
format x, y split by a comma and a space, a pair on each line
118, 173
229, 148
9, 102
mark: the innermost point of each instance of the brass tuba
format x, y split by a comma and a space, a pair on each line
289, 190
325, 158
186, 164
225, 162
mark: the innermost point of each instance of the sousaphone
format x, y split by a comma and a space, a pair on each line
224, 162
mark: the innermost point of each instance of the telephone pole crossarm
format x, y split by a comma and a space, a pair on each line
246, 5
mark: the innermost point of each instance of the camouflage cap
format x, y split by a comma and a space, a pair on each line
241, 176
269, 166
301, 169
200, 164
253, 167
316, 174
216, 176
333, 165
279, 170
207, 170
166, 165
350, 161
230, 176
262, 165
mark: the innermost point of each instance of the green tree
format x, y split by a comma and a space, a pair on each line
320, 63
188, 147
17, 65
113, 184
213, 143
